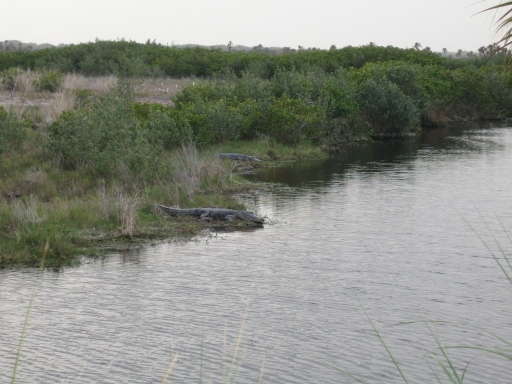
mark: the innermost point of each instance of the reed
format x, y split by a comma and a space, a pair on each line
27, 317
442, 358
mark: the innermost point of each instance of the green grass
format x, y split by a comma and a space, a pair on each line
269, 151
81, 214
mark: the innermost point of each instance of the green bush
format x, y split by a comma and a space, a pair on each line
215, 121
162, 130
50, 81
252, 87
10, 78
11, 131
204, 92
480, 94
437, 85
292, 84
293, 120
337, 95
387, 109
101, 137
82, 97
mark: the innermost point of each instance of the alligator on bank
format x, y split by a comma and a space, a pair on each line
212, 214
238, 156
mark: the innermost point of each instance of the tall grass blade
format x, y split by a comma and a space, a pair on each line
345, 373
169, 370
506, 353
202, 358
236, 360
444, 368
496, 241
261, 371
489, 249
25, 326
452, 372
385, 346
434, 372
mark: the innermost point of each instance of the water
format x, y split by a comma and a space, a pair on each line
380, 228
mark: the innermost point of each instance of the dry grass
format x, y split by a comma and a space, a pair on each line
99, 85
190, 171
26, 82
159, 86
155, 90
59, 103
23, 82
23, 213
127, 205
34, 177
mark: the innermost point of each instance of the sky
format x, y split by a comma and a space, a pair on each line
451, 24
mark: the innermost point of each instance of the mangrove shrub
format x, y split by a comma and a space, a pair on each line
11, 130
100, 137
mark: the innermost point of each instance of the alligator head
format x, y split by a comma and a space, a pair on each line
249, 216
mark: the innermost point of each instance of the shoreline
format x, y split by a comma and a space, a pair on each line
94, 223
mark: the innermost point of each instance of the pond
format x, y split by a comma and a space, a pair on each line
387, 231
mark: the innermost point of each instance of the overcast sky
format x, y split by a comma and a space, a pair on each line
451, 24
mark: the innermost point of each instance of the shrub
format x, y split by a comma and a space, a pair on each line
11, 78
293, 120
165, 125
480, 93
293, 84
437, 85
337, 95
100, 137
214, 121
204, 91
389, 111
50, 81
11, 130
252, 87
82, 96
162, 130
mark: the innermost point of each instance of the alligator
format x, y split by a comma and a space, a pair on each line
212, 214
238, 156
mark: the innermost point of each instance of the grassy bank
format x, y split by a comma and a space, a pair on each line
106, 202
83, 160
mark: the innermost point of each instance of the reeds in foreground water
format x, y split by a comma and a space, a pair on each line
443, 360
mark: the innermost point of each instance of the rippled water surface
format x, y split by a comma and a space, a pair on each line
380, 228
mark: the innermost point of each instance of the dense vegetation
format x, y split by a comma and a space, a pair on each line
93, 171
150, 59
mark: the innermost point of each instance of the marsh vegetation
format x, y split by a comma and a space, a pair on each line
84, 157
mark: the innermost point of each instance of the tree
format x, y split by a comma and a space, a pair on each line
230, 45
417, 46
503, 22
459, 54
444, 52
